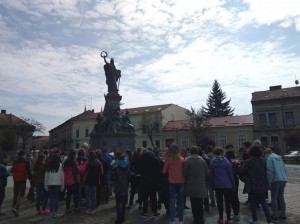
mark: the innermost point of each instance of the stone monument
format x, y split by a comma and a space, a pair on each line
113, 129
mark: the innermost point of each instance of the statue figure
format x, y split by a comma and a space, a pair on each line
112, 74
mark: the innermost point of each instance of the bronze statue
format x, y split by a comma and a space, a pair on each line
112, 74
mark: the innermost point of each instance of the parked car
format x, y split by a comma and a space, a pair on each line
293, 155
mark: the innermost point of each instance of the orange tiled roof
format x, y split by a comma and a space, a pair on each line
276, 93
230, 121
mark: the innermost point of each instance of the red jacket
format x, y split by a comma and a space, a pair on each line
71, 177
21, 170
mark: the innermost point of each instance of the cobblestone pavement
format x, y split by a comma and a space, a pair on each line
105, 214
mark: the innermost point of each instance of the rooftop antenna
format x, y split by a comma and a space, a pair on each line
296, 81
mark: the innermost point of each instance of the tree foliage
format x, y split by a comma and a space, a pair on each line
292, 138
27, 127
198, 124
150, 124
215, 107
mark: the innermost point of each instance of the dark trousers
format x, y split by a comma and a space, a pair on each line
235, 202
146, 193
255, 198
121, 200
2, 196
223, 193
134, 188
100, 194
72, 190
197, 210
19, 193
41, 197
30, 195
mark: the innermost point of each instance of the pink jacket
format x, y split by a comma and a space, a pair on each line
174, 168
70, 178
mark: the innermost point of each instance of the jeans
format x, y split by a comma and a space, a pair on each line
53, 197
277, 193
41, 197
19, 193
72, 190
90, 197
258, 198
221, 194
176, 193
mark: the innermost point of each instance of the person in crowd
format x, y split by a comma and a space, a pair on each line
235, 202
101, 187
277, 178
244, 177
163, 191
150, 167
32, 158
255, 167
92, 177
206, 159
196, 175
82, 161
222, 182
135, 175
21, 172
39, 169
72, 181
121, 181
211, 192
107, 174
174, 167
3, 179
54, 182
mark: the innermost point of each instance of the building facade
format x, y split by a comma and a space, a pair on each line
75, 131
232, 130
15, 133
276, 114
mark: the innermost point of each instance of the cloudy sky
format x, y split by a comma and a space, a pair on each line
169, 51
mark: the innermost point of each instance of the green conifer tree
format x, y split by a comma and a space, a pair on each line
215, 107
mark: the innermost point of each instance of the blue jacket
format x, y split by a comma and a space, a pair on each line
276, 169
221, 175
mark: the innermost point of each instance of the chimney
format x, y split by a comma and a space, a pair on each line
3, 111
275, 87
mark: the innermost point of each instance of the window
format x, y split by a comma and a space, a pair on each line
272, 119
262, 118
77, 145
242, 139
86, 132
222, 141
274, 141
157, 143
185, 142
264, 141
77, 133
145, 144
289, 118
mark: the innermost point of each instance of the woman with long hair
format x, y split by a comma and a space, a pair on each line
39, 169
72, 180
54, 182
174, 167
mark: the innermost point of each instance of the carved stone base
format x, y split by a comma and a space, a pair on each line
113, 141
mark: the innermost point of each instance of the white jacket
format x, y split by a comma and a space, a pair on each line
55, 178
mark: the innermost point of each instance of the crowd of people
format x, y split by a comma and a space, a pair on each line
209, 177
